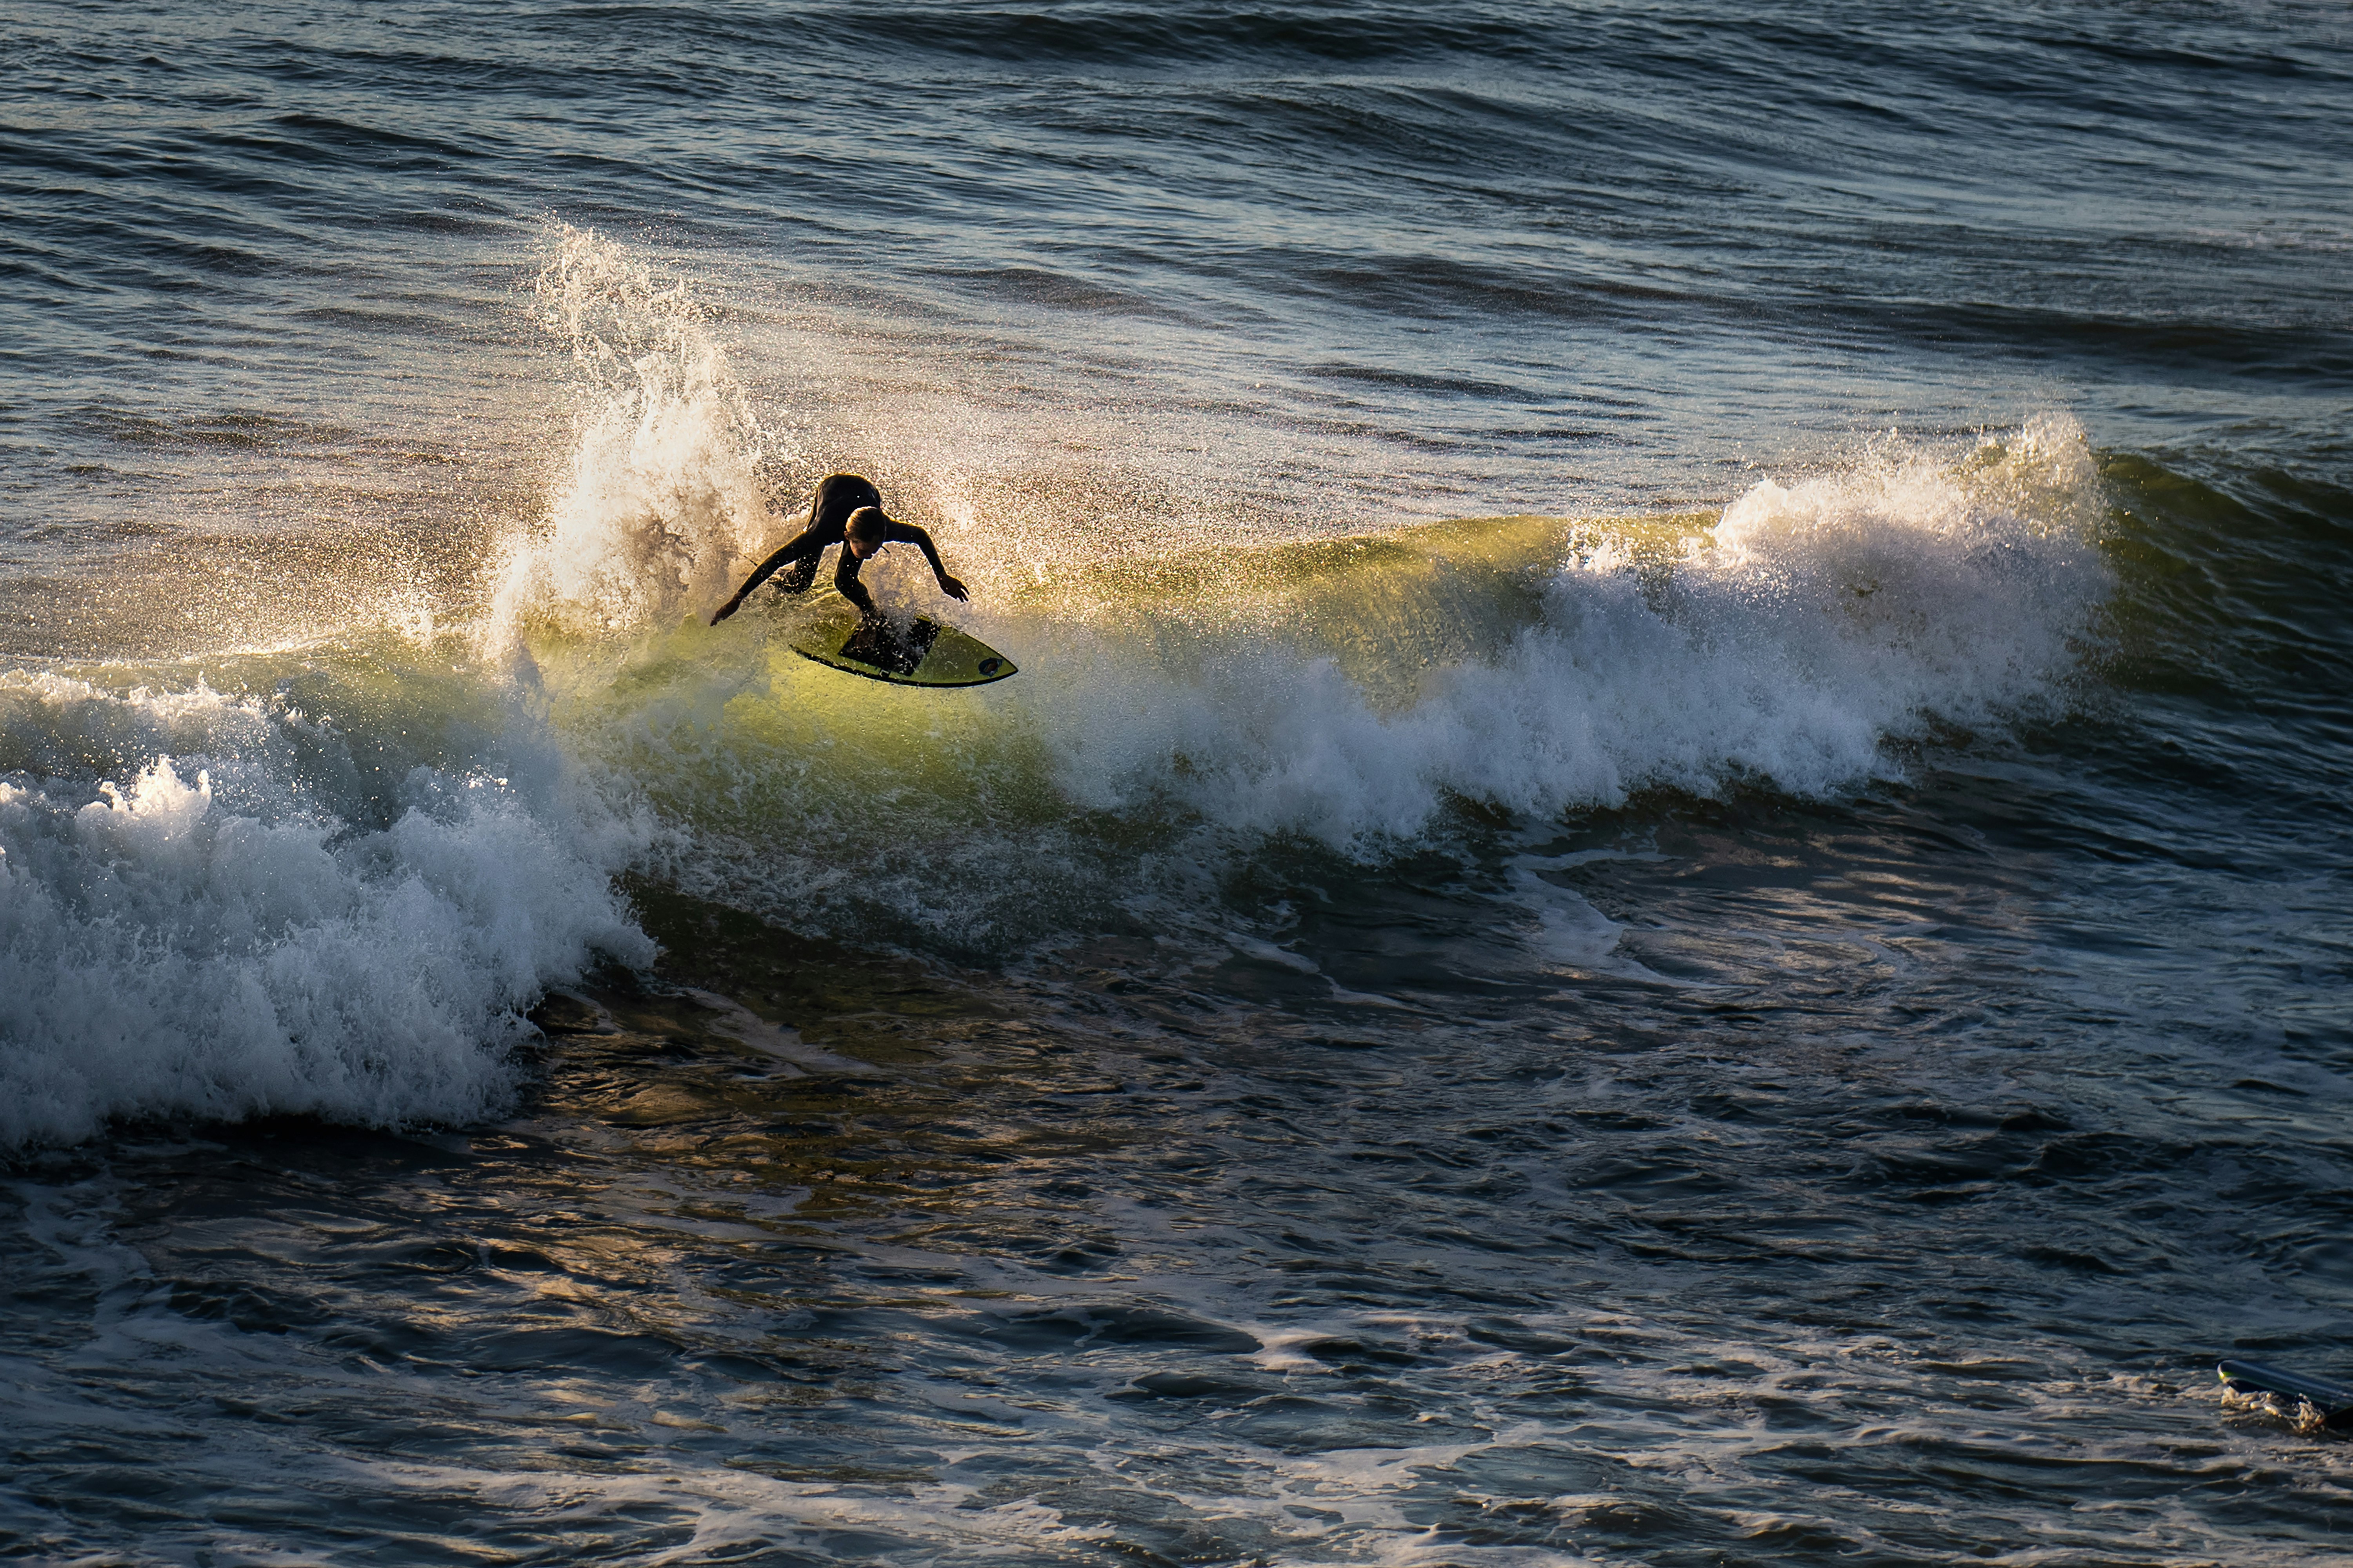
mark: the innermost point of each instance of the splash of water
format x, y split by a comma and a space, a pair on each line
659, 507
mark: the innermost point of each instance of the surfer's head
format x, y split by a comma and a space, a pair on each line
863, 533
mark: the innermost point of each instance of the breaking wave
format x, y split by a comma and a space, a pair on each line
333, 884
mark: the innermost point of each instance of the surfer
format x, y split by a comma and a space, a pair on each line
846, 511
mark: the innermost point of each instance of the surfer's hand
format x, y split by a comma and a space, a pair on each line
952, 588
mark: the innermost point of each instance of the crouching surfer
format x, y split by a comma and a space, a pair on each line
847, 511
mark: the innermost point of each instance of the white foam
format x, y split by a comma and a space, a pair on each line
286, 944
1813, 625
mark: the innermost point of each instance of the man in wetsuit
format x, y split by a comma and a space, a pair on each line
848, 511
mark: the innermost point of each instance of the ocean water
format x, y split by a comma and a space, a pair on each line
1667, 883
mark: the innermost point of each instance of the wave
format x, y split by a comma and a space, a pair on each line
1179, 706
284, 908
1565, 665
327, 879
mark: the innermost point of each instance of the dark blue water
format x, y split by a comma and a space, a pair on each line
1666, 883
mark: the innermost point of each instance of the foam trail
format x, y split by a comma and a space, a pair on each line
740, 1024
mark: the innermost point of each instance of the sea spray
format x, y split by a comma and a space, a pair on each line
659, 508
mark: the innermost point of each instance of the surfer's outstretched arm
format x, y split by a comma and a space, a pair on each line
808, 545
908, 533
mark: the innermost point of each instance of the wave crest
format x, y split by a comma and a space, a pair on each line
164, 953
1789, 643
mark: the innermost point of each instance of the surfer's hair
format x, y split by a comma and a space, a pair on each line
866, 523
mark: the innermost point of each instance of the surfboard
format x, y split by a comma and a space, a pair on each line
922, 652
2332, 1400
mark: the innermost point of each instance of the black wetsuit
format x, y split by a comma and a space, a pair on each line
837, 495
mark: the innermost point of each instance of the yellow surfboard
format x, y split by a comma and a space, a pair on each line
922, 652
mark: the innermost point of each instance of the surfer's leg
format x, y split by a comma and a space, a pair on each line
837, 495
803, 572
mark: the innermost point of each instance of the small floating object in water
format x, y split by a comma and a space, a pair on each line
2312, 1402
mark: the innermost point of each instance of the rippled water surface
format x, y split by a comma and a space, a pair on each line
1666, 883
